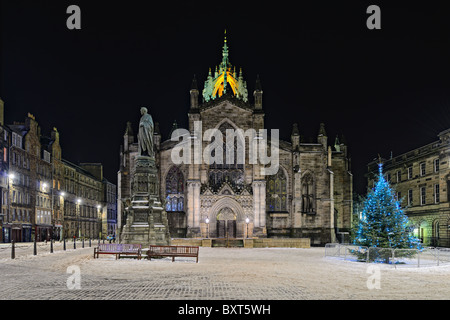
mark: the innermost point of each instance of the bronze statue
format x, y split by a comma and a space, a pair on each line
145, 135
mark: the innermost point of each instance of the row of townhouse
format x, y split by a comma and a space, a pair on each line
421, 179
44, 196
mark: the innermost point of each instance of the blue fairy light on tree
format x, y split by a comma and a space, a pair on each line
383, 222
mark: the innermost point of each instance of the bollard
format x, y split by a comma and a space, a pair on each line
89, 242
51, 245
82, 243
74, 243
13, 250
64, 244
35, 247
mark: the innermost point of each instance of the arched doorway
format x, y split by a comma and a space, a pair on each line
226, 223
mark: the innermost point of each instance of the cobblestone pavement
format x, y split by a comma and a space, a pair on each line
222, 273
45, 277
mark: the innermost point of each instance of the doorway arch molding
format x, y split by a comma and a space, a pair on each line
230, 203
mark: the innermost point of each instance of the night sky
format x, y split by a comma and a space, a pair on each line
385, 90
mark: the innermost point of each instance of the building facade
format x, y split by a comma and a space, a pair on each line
421, 179
309, 196
44, 196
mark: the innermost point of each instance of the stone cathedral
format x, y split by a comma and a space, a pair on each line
310, 196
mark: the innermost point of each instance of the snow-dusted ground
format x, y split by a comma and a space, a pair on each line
222, 273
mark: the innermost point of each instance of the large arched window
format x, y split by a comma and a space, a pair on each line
276, 192
308, 198
228, 171
174, 190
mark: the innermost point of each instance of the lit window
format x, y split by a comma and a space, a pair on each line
174, 190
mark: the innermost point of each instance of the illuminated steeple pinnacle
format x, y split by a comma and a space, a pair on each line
225, 78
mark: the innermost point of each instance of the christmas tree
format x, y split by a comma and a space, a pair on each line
383, 223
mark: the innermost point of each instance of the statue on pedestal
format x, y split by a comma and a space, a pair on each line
145, 217
145, 135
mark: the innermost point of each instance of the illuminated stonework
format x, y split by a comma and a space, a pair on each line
225, 80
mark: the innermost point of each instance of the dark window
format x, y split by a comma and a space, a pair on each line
276, 192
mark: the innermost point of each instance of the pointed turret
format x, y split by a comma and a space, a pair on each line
128, 137
322, 136
225, 61
194, 93
174, 127
258, 93
343, 145
337, 145
295, 136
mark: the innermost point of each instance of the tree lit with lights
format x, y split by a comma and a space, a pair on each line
383, 222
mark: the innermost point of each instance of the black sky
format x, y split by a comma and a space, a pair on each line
385, 90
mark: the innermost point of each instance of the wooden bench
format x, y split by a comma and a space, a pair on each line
172, 251
118, 249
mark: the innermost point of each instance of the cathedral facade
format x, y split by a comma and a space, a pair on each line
308, 196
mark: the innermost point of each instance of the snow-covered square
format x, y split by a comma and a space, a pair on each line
220, 274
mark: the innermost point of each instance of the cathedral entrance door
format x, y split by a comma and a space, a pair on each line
226, 223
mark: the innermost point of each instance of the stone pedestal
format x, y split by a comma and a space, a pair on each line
146, 221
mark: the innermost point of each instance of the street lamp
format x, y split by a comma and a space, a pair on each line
99, 218
207, 227
11, 177
247, 220
79, 217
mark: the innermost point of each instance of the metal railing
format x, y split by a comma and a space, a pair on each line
428, 256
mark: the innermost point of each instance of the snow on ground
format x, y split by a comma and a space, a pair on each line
222, 273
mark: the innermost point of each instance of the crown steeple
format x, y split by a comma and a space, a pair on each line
226, 80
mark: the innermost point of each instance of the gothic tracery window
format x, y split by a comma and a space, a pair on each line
227, 171
276, 192
174, 190
308, 194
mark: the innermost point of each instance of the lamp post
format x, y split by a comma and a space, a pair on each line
247, 220
44, 189
207, 227
99, 217
11, 178
62, 194
78, 216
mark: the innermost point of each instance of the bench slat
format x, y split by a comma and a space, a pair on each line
172, 251
118, 249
